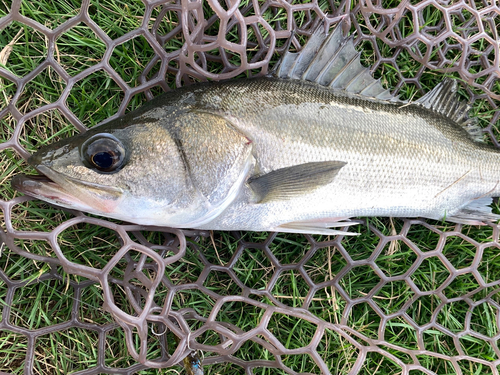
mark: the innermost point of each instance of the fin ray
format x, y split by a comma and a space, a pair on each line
443, 99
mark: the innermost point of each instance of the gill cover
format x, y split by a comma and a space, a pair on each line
217, 160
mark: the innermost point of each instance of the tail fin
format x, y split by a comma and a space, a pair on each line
477, 212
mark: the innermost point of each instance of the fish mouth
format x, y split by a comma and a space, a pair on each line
65, 191
42, 187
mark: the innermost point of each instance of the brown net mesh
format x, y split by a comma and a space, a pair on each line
407, 296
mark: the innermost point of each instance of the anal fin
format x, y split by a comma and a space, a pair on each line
320, 226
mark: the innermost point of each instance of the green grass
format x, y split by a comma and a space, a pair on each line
420, 282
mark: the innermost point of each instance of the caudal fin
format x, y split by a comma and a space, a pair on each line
477, 212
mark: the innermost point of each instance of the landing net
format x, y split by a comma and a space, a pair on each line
84, 295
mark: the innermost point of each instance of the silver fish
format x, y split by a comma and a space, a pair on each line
318, 142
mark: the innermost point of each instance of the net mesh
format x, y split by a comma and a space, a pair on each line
85, 295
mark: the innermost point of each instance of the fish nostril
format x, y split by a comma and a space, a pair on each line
17, 182
34, 159
41, 158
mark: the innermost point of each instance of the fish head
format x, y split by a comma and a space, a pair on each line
154, 172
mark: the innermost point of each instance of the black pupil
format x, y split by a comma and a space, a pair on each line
103, 153
103, 160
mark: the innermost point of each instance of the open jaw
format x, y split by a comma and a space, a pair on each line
64, 191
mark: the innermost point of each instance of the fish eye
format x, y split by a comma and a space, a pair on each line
104, 153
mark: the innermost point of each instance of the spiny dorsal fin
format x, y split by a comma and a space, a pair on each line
443, 99
331, 60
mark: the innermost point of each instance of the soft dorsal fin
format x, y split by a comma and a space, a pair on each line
331, 60
443, 99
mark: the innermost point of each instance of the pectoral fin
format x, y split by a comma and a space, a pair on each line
290, 182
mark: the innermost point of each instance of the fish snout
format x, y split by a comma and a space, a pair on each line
26, 184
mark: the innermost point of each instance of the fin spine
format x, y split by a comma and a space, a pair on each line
321, 80
351, 86
332, 61
317, 61
342, 75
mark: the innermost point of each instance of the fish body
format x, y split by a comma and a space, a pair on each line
282, 153
400, 161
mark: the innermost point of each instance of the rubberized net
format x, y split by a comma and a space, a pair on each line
85, 295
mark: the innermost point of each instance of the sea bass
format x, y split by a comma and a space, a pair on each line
303, 150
